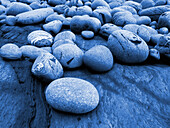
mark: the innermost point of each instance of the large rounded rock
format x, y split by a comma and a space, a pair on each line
128, 47
69, 55
99, 58
17, 8
72, 95
40, 38
164, 20
34, 16
10, 51
46, 66
80, 23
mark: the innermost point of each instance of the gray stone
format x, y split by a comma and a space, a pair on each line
83, 10
65, 35
137, 6
72, 95
53, 17
128, 8
97, 3
53, 26
143, 20
17, 8
10, 20
128, 47
37, 5
31, 52
34, 16
164, 20
69, 55
60, 42
114, 4
67, 21
147, 4
60, 8
81, 23
10, 51
46, 66
70, 12
99, 58
163, 30
87, 34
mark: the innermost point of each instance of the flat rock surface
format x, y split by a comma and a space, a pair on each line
130, 95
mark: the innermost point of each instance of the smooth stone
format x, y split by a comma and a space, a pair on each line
34, 16
123, 18
31, 52
143, 20
163, 30
97, 3
69, 55
115, 4
118, 9
164, 20
10, 51
77, 3
87, 34
2, 9
153, 23
128, 47
53, 17
47, 67
150, 29
160, 2
137, 6
48, 49
139, 30
154, 53
83, 10
103, 15
70, 12
88, 3
3, 16
81, 23
17, 8
147, 4
38, 5
72, 95
129, 8
27, 1
65, 35
10, 20
67, 21
107, 29
155, 39
99, 58
53, 26
60, 42
40, 38
164, 41
60, 8
56, 2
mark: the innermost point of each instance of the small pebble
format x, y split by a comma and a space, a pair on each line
10, 51
87, 34
53, 17
99, 58
154, 53
72, 95
56, 2
47, 67
69, 55
155, 39
10, 20
53, 26
147, 3
60, 8
163, 30
143, 20
65, 35
2, 9
97, 3
40, 38
67, 21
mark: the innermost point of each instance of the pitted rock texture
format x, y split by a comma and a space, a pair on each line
130, 96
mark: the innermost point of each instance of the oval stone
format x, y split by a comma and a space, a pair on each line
65, 35
87, 34
72, 95
10, 51
128, 47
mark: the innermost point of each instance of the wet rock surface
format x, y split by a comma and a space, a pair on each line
130, 95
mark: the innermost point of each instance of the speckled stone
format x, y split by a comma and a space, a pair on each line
46, 66
87, 34
69, 55
128, 47
10, 51
99, 58
60, 42
65, 35
40, 38
53, 26
72, 95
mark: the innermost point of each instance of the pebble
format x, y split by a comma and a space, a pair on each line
155, 39
154, 53
88, 3
69, 55
2, 9
97, 3
56, 2
60, 8
34, 16
128, 47
164, 20
53, 17
70, 12
47, 67
107, 29
87, 34
27, 1
83, 10
81, 23
129, 8
31, 52
160, 2
10, 20
48, 49
143, 20
10, 51
99, 58
40, 38
123, 18
17, 8
60, 42
67, 21
147, 4
164, 41
72, 95
53, 26
137, 6
150, 29
65, 35
163, 30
